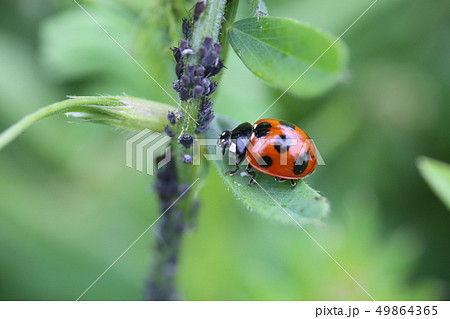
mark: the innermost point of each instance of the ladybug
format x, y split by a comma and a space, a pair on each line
273, 147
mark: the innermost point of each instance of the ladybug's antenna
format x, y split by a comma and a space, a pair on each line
212, 128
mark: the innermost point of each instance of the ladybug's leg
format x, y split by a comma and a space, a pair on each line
239, 160
280, 179
234, 171
248, 170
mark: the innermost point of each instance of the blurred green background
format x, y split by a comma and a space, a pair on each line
69, 206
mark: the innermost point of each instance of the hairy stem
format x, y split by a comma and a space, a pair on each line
209, 23
183, 175
13, 131
119, 111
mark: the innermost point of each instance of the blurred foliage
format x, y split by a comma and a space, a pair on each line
437, 175
69, 206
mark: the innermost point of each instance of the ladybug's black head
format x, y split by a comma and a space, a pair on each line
224, 140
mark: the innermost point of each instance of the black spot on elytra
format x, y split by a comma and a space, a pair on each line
262, 129
301, 163
288, 125
281, 145
265, 161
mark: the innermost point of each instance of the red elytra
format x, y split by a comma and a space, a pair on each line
281, 149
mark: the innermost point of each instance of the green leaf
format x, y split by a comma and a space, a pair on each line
437, 175
123, 112
280, 50
303, 203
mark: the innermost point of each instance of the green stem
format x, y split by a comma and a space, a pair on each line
217, 14
208, 25
119, 111
56, 108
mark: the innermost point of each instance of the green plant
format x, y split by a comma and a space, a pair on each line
277, 50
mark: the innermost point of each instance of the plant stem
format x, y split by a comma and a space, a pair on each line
183, 214
208, 25
169, 235
60, 107
123, 112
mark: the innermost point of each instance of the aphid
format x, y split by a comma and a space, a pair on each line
186, 28
187, 159
176, 54
171, 117
273, 147
168, 131
179, 69
198, 10
186, 140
